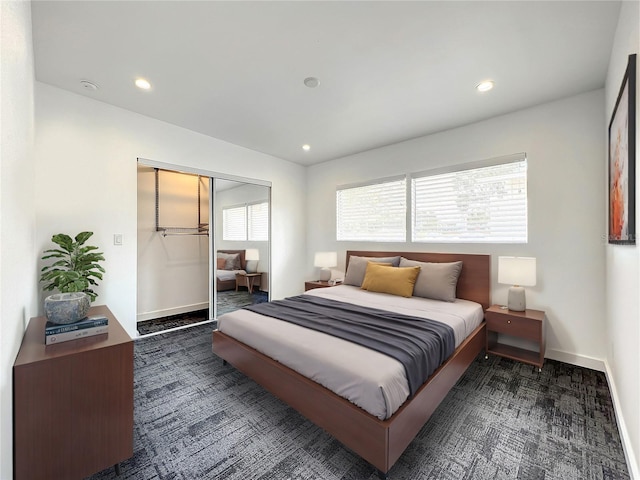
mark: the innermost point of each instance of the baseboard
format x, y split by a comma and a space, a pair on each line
141, 317
575, 359
632, 462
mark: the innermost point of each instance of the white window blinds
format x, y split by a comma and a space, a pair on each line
246, 222
234, 223
483, 204
258, 215
373, 212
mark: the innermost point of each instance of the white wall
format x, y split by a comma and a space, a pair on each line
17, 213
623, 262
173, 270
564, 145
86, 180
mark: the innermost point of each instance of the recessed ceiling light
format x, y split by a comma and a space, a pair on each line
306, 147
87, 85
311, 82
143, 84
485, 86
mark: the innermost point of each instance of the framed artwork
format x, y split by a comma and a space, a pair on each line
622, 161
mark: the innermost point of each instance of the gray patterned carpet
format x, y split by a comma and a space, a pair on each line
195, 418
228, 301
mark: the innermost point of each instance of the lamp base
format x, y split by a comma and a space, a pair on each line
516, 300
325, 274
251, 266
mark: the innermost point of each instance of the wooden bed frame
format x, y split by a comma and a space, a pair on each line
380, 442
222, 285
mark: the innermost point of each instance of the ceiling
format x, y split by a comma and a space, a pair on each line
388, 71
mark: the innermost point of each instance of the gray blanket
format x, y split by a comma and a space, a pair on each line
420, 344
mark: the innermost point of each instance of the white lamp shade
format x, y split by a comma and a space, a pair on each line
325, 259
252, 254
517, 271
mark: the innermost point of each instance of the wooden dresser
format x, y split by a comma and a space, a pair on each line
72, 403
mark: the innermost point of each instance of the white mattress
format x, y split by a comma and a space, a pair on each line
373, 381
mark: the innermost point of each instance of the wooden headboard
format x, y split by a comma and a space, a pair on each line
474, 282
243, 262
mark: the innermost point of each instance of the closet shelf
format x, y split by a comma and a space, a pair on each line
201, 229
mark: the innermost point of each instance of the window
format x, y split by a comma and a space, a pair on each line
234, 223
258, 214
372, 212
484, 202
487, 203
246, 222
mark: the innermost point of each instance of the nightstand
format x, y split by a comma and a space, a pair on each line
316, 284
72, 403
248, 280
527, 325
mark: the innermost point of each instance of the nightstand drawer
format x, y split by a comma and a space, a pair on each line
511, 325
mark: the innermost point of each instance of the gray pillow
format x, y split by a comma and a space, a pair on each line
437, 281
358, 266
232, 260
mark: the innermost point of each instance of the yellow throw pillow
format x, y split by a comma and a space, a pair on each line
389, 279
364, 279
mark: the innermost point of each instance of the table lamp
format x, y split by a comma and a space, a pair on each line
325, 260
251, 256
518, 272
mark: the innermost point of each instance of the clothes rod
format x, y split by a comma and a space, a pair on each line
165, 234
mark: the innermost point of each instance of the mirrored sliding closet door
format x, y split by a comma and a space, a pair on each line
203, 245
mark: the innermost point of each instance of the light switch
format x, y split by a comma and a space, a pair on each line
117, 239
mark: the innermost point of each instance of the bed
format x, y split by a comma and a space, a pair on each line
380, 441
225, 273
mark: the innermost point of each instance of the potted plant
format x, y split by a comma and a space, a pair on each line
73, 274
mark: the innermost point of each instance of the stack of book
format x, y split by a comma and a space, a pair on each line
87, 327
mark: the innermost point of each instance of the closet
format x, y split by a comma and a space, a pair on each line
181, 229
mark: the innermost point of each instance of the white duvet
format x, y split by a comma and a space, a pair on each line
224, 275
373, 381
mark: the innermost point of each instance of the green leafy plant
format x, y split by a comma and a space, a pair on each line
77, 267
